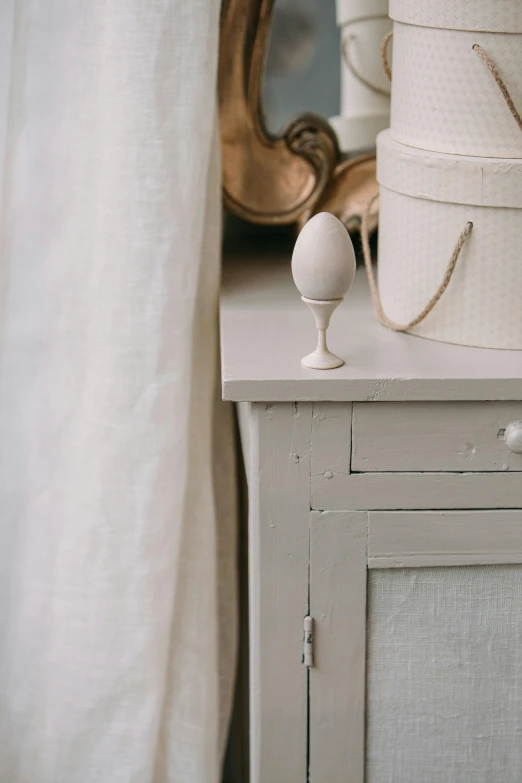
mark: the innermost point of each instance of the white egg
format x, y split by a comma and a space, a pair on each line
323, 261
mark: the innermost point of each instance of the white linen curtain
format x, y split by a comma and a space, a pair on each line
116, 562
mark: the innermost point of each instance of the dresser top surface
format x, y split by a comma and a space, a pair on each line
266, 329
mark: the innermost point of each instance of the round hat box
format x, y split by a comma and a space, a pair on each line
365, 88
426, 201
444, 98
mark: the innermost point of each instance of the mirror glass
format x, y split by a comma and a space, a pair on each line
303, 62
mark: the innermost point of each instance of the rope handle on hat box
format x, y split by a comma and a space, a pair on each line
346, 46
384, 54
490, 65
376, 299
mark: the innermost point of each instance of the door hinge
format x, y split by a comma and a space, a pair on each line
308, 643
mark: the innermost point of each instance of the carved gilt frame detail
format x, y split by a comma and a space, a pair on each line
283, 179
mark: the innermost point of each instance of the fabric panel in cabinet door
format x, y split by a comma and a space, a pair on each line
444, 675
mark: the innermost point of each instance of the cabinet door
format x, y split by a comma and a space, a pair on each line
418, 664
338, 545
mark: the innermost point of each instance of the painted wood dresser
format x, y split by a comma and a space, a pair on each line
396, 463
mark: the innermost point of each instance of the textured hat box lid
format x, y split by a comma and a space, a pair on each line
444, 98
426, 201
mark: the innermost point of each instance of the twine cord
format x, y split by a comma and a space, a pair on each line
346, 47
376, 299
384, 54
490, 65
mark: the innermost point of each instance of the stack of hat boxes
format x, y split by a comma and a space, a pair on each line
453, 155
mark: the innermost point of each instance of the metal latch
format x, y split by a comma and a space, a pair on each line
308, 645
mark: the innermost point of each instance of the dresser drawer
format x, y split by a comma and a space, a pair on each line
460, 437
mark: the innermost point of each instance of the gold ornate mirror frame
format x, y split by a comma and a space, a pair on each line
276, 180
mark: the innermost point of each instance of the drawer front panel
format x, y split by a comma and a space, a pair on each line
460, 437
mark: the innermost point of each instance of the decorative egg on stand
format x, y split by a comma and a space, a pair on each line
323, 267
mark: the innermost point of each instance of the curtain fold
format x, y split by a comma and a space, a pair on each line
116, 558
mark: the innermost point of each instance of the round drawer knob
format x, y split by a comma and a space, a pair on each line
513, 436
